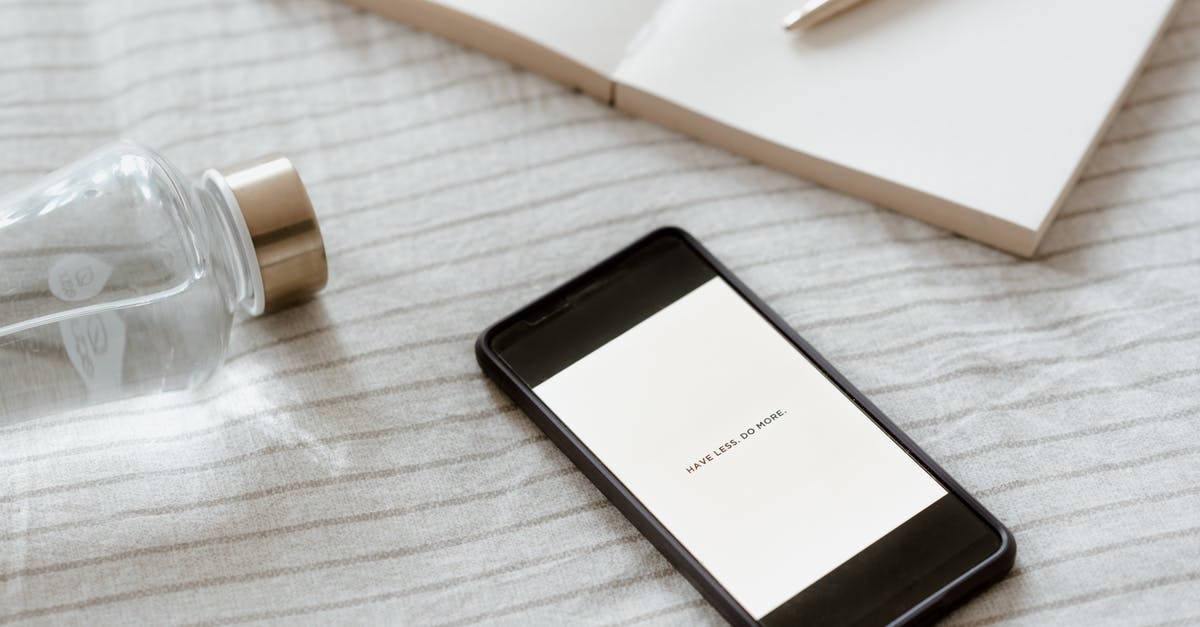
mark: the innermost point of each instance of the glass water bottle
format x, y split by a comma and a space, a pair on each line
121, 277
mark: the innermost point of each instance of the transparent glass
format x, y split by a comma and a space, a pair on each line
119, 278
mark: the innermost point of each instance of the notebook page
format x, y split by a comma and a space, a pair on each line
594, 34
991, 105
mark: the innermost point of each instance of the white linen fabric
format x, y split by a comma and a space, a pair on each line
351, 464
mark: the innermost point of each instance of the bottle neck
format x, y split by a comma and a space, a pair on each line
231, 245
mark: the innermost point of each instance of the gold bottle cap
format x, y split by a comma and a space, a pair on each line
283, 228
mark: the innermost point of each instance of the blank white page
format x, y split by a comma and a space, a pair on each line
988, 104
593, 33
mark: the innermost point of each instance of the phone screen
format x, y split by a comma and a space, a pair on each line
792, 497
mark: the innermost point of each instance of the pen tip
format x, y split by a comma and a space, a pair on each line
792, 20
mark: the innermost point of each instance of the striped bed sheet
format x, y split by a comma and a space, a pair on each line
351, 464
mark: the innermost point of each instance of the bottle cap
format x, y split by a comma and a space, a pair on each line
283, 228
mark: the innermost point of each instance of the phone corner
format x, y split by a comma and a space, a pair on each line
996, 565
1006, 555
485, 356
670, 230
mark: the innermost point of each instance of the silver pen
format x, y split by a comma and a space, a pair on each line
815, 12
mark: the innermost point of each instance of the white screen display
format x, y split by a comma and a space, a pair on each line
764, 470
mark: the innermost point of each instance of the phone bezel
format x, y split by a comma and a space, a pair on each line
933, 606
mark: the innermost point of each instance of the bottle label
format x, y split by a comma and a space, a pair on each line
95, 344
78, 277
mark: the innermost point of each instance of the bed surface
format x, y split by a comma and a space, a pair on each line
351, 463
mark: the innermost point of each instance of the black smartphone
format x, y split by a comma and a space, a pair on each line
768, 480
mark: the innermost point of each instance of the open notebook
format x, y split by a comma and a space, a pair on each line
974, 115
